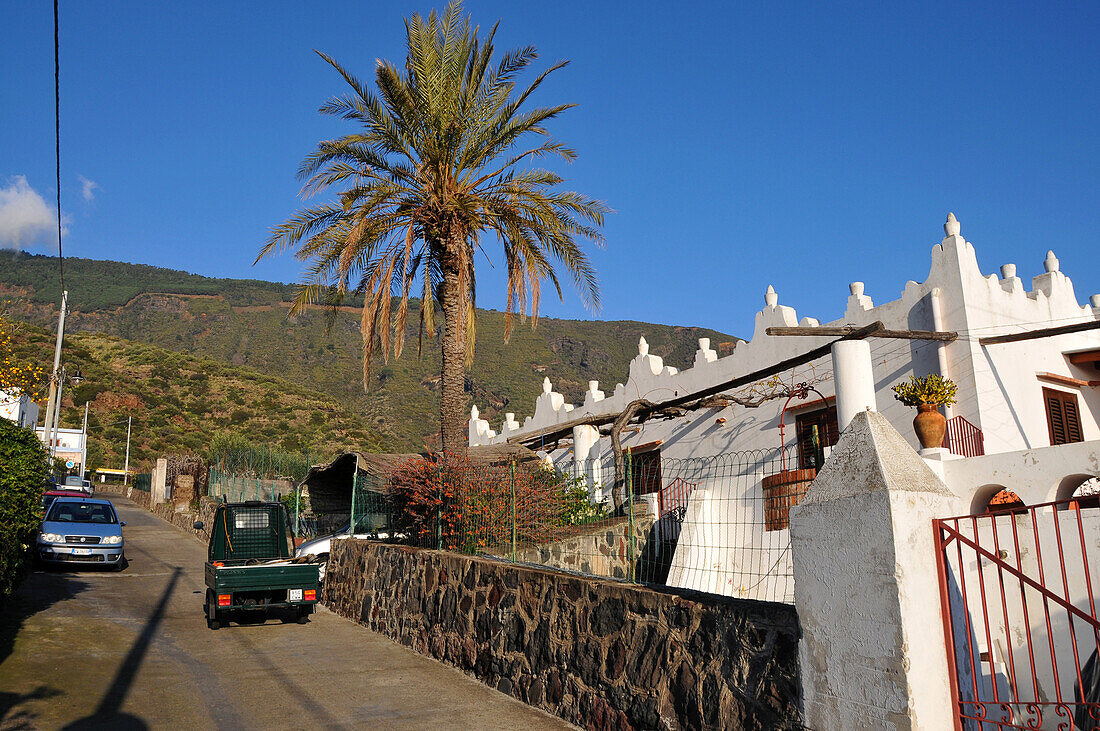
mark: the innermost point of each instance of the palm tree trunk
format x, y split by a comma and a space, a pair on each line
452, 401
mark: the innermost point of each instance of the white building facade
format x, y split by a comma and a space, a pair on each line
18, 408
1004, 390
69, 447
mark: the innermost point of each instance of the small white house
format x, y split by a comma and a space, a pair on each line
18, 408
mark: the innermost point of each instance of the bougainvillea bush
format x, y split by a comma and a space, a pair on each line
456, 505
23, 472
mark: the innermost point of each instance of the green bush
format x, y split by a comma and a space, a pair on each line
23, 471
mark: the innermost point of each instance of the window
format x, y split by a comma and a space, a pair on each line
645, 471
1063, 417
823, 424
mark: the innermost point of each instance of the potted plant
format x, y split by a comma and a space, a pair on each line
928, 394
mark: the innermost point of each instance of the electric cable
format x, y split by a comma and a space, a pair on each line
57, 136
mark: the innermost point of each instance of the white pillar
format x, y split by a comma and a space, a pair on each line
159, 491
872, 653
584, 438
854, 380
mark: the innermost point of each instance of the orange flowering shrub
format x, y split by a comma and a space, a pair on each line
459, 506
16, 377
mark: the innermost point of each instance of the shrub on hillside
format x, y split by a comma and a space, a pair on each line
23, 471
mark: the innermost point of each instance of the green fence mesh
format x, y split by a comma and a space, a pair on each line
265, 474
717, 525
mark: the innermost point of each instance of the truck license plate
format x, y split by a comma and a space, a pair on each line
82, 552
295, 595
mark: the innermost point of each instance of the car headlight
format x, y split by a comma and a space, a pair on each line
52, 538
114, 540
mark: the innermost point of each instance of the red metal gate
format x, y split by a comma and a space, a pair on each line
1020, 618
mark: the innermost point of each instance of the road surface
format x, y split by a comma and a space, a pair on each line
94, 649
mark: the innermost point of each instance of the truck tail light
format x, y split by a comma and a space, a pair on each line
224, 600
310, 595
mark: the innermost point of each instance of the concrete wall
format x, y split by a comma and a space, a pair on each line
867, 588
601, 654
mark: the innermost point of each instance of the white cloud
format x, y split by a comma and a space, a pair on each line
89, 188
25, 218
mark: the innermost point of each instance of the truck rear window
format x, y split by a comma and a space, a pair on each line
251, 519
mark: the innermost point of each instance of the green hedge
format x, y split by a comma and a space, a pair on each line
23, 471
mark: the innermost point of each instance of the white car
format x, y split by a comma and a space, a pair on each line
320, 547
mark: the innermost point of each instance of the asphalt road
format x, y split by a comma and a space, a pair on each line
94, 649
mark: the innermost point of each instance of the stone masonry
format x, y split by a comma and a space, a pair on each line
603, 550
598, 653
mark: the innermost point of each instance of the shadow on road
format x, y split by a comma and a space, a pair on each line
38, 592
108, 714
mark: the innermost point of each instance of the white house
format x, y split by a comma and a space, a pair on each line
19, 408
1019, 395
1026, 417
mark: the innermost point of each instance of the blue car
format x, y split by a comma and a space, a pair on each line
82, 531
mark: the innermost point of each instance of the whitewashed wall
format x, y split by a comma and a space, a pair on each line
999, 391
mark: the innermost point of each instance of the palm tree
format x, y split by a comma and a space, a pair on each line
437, 166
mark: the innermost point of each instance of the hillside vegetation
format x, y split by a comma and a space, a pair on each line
179, 402
245, 323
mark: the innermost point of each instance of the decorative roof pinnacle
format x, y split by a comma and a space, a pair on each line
952, 227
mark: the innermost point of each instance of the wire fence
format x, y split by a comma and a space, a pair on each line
265, 474
716, 525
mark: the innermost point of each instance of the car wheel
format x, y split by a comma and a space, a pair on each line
303, 615
121, 565
213, 623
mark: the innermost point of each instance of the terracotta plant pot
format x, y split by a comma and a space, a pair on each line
781, 492
930, 426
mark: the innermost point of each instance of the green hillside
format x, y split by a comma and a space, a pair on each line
179, 402
246, 323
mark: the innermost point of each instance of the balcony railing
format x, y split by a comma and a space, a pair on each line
963, 438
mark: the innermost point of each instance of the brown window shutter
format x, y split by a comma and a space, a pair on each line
1063, 417
1073, 421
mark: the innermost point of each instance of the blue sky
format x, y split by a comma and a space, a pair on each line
803, 145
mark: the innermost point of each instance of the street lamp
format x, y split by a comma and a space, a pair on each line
51, 429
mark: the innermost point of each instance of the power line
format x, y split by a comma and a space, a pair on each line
57, 136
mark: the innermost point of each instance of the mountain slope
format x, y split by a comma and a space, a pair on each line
179, 402
245, 322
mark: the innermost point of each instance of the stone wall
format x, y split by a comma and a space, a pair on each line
598, 653
602, 551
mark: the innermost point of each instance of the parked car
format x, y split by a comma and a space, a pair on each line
317, 549
81, 530
49, 495
249, 569
76, 482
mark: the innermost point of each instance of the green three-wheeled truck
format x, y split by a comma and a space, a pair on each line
249, 568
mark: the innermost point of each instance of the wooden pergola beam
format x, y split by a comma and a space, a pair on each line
847, 329
1046, 332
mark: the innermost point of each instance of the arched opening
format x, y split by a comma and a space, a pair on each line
1083, 490
1005, 501
996, 499
980, 502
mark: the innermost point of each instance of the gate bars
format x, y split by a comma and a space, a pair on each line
1019, 616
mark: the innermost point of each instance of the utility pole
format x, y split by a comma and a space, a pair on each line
52, 405
84, 441
126, 466
57, 412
